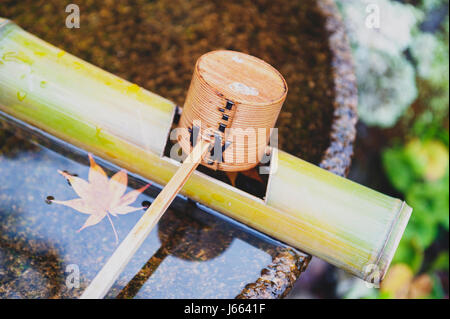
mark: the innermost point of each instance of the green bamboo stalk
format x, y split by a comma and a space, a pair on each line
347, 224
42, 84
344, 223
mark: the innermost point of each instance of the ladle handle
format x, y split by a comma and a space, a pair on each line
126, 250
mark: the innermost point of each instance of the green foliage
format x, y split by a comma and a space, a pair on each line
389, 81
409, 252
438, 290
420, 171
441, 262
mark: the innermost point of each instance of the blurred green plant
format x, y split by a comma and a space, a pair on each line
413, 70
420, 171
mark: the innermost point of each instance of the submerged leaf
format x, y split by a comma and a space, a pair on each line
129, 198
78, 204
96, 173
122, 210
100, 196
92, 220
118, 186
80, 186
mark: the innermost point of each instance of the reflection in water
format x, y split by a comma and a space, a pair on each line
192, 254
184, 237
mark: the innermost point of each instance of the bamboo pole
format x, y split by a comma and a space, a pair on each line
126, 250
44, 85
